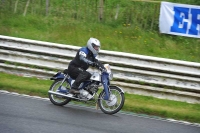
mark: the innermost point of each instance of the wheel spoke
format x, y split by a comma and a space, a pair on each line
55, 88
111, 105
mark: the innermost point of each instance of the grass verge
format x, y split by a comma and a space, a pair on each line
134, 103
121, 38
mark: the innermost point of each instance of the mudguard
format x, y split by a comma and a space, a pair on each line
58, 75
121, 90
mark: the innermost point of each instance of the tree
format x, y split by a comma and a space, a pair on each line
26, 7
101, 8
16, 3
47, 7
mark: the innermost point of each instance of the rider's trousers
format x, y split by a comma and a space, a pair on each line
78, 74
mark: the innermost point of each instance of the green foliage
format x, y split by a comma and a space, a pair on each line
134, 30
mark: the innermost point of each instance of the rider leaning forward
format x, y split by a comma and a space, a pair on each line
85, 57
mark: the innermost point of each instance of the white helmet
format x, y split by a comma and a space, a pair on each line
94, 45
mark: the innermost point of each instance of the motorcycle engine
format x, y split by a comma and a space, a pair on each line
88, 91
92, 88
85, 94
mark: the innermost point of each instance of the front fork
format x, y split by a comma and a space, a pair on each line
105, 82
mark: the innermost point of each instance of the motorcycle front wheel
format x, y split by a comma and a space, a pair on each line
59, 100
115, 102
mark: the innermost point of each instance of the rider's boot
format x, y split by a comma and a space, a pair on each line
81, 77
74, 89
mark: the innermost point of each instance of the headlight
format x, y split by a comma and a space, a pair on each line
108, 69
110, 76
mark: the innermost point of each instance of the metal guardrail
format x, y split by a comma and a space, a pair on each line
138, 74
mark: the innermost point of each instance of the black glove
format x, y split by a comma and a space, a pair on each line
100, 65
93, 64
96, 64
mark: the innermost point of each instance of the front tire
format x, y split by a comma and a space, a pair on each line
58, 100
116, 102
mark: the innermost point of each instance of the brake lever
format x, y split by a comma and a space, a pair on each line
102, 69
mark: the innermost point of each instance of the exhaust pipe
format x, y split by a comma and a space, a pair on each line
63, 95
60, 94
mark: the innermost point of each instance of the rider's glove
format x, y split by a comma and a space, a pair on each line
101, 66
95, 64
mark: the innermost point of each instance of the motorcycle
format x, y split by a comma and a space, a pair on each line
110, 99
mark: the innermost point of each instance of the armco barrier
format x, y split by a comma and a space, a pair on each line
138, 74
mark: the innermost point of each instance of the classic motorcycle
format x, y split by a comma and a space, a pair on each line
110, 99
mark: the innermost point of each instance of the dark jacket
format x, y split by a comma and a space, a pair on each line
83, 59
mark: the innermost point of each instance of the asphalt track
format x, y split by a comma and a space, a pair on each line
27, 114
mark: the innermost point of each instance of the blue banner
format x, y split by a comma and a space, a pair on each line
180, 19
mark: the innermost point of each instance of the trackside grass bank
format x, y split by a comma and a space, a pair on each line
134, 103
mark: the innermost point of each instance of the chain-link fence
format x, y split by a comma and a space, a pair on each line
116, 12
135, 13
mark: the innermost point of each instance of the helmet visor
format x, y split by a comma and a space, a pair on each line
97, 48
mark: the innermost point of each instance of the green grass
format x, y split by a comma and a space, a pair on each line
126, 34
121, 38
133, 103
31, 86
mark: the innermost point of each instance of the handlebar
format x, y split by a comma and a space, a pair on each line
100, 67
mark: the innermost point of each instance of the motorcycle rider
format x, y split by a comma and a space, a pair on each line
85, 57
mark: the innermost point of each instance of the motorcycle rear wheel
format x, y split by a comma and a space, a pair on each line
59, 100
116, 102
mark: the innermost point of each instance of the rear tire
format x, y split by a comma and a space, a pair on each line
117, 101
58, 100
